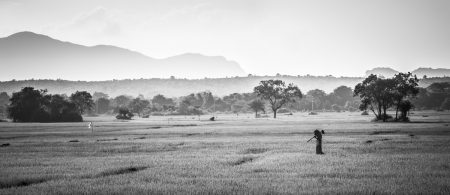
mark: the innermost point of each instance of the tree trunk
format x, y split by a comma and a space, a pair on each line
379, 112
396, 112
384, 114
274, 113
256, 114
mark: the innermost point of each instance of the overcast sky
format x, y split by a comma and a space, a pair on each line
337, 37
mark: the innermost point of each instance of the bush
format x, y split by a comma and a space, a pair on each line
365, 112
124, 114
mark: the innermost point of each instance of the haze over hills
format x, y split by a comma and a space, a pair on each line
182, 87
420, 72
27, 55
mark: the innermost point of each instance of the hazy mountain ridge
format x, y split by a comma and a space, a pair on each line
182, 87
30, 55
420, 72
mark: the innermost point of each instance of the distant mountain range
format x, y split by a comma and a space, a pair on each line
27, 55
420, 72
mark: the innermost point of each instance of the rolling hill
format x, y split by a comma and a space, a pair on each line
27, 55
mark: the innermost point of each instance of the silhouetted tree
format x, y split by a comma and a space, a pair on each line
257, 105
376, 94
405, 106
277, 93
406, 86
82, 100
28, 105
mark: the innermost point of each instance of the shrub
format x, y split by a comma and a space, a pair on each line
124, 114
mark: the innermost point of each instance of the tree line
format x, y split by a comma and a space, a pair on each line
376, 94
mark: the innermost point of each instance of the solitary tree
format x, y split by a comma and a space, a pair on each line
377, 94
83, 101
406, 85
257, 105
277, 93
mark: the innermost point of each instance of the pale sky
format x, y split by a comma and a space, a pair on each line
298, 37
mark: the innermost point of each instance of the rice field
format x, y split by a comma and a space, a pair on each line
232, 155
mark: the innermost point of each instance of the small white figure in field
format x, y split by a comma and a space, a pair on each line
91, 126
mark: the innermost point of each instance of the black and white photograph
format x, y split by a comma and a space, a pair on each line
224, 97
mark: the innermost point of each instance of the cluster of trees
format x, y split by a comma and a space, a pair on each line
434, 97
31, 105
206, 102
379, 94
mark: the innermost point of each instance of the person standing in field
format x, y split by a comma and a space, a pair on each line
318, 136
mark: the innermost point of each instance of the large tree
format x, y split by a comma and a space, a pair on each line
28, 105
377, 94
277, 93
406, 86
319, 98
257, 105
83, 101
341, 95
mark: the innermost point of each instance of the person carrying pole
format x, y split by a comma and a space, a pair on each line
318, 136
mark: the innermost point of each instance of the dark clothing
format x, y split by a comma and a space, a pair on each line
318, 136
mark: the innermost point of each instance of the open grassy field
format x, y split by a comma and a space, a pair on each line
233, 155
